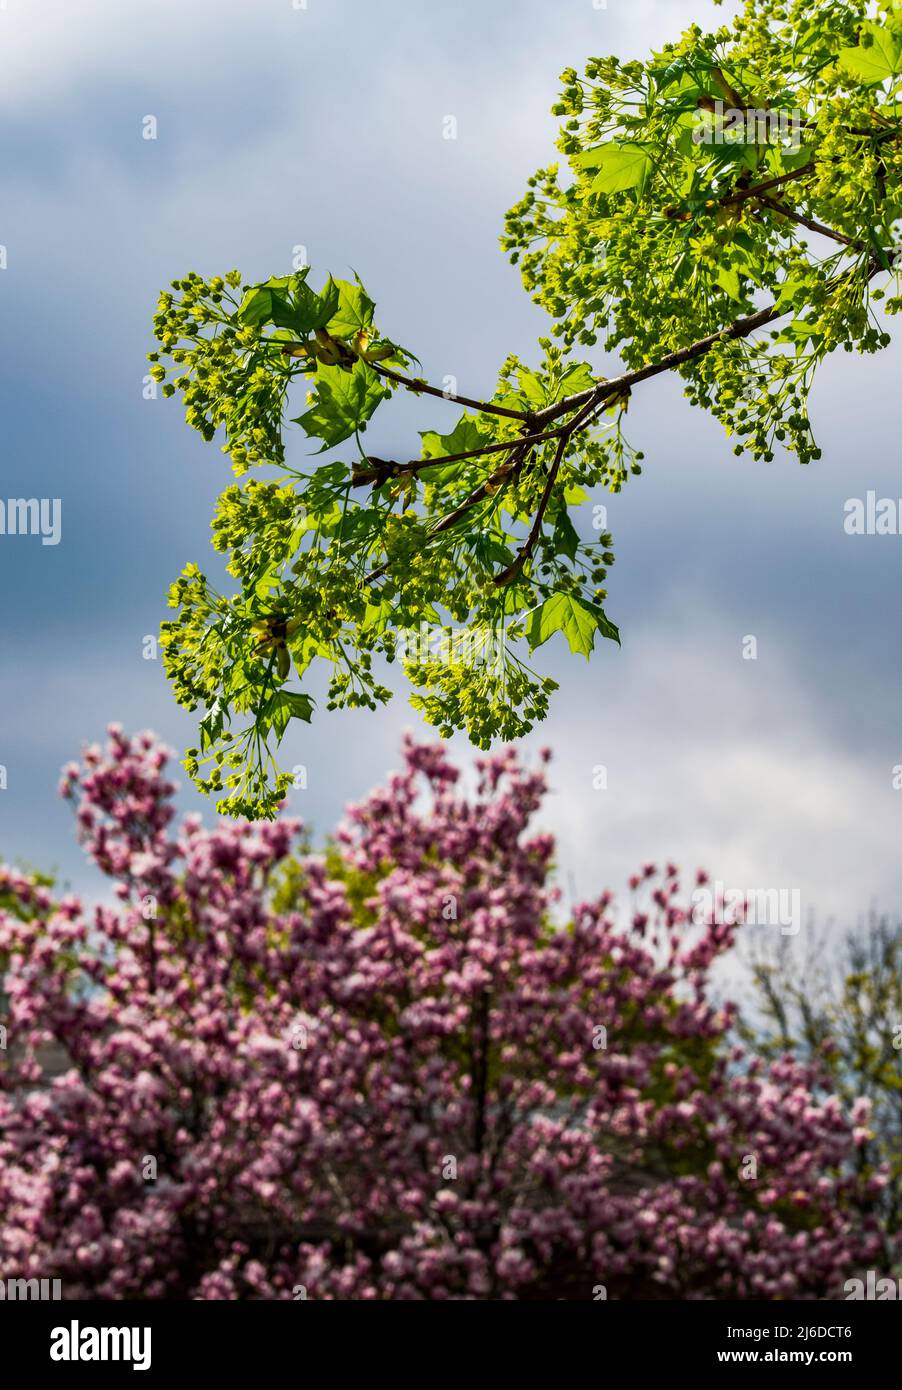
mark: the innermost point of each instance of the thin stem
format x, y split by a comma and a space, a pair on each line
387, 468
808, 222
421, 387
587, 402
740, 328
529, 545
739, 195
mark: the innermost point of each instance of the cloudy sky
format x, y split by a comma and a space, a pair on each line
282, 125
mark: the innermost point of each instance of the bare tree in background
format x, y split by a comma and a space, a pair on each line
845, 1008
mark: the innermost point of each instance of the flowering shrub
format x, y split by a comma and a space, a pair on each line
384, 1073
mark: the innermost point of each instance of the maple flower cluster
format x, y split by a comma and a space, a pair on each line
387, 1072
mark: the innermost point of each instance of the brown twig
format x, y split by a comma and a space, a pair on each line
738, 195
529, 545
808, 222
387, 468
585, 404
422, 387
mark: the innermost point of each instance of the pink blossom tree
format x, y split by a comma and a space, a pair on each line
385, 1073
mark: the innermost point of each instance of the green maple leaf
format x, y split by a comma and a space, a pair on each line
620, 167
284, 706
465, 436
354, 313
877, 57
345, 401
578, 620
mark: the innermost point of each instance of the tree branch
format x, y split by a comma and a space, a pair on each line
585, 403
421, 387
738, 195
618, 385
529, 545
383, 469
808, 222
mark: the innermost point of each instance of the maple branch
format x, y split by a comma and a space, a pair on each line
477, 495
615, 386
529, 545
524, 448
580, 421
739, 328
808, 222
383, 469
421, 387
738, 195
518, 457
586, 403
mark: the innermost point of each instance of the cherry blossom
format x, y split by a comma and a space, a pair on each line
391, 1071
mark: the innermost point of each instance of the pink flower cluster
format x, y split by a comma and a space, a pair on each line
387, 1074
